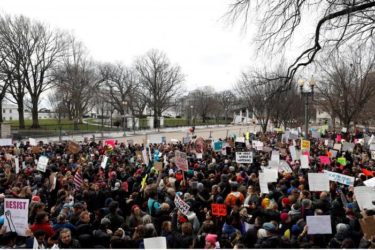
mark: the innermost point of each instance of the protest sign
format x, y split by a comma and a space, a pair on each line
130, 142
293, 153
181, 205
371, 140
155, 243
319, 224
16, 215
104, 162
240, 139
368, 226
244, 157
338, 138
305, 161
333, 153
138, 155
218, 145
324, 160
42, 163
32, 142
110, 142
199, 156
337, 146
284, 167
73, 147
35, 150
219, 209
270, 175
263, 183
342, 161
155, 139
370, 182
275, 156
346, 146
181, 160
340, 178
315, 135
145, 156
200, 145
186, 140
305, 145
373, 155
372, 147
158, 165
6, 142
17, 163
318, 182
364, 196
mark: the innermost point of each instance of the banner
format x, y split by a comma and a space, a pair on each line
219, 209
42, 164
340, 178
6, 142
244, 157
16, 215
181, 160
181, 205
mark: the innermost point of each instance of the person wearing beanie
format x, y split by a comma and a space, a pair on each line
286, 203
211, 240
271, 240
286, 223
135, 218
342, 232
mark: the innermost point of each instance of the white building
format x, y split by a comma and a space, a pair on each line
9, 112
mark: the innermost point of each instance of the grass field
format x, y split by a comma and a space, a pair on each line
53, 124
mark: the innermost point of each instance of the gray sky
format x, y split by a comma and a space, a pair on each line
191, 32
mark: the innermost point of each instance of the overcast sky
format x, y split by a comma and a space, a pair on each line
192, 33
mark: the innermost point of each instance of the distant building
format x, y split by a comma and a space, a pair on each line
10, 112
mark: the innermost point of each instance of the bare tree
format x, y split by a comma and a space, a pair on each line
226, 100
77, 82
348, 83
160, 81
336, 23
4, 84
203, 102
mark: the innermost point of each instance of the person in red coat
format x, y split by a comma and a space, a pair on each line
42, 223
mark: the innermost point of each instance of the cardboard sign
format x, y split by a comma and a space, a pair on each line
219, 209
42, 164
155, 243
244, 157
104, 162
368, 226
74, 147
340, 178
36, 150
324, 160
181, 205
318, 181
158, 165
16, 215
319, 224
181, 160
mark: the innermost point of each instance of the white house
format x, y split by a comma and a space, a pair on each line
9, 112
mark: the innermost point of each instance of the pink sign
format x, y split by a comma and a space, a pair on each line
324, 160
111, 142
338, 138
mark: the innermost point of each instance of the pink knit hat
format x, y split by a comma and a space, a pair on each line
211, 238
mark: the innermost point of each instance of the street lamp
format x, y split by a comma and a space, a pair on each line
124, 103
306, 93
191, 114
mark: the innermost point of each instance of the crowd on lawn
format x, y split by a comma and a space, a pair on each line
113, 195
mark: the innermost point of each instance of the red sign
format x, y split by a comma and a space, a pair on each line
110, 142
219, 209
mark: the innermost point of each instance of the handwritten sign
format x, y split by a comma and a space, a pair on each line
319, 224
364, 196
284, 167
318, 181
305, 161
324, 160
337, 146
181, 205
219, 209
293, 153
340, 178
305, 145
155, 243
181, 160
263, 184
16, 215
104, 162
275, 156
244, 157
42, 164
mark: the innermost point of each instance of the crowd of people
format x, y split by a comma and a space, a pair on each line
81, 202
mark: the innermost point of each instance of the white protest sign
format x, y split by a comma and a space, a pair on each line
16, 215
315, 134
6, 142
145, 157
32, 142
318, 182
333, 152
370, 182
337, 146
364, 196
275, 156
340, 178
305, 161
284, 167
263, 183
199, 155
373, 155
371, 140
244, 157
154, 139
319, 224
240, 139
372, 147
294, 153
181, 205
344, 130
42, 163
155, 243
17, 163
346, 146
104, 162
270, 175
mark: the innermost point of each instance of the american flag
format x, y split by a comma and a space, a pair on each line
78, 180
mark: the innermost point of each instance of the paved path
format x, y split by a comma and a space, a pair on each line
218, 131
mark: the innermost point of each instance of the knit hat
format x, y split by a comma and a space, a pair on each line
296, 229
286, 201
211, 238
284, 217
269, 226
105, 221
134, 207
265, 202
342, 228
35, 198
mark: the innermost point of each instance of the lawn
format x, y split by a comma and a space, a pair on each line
53, 124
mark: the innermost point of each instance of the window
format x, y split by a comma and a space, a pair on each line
4, 119
3, 110
10, 111
10, 118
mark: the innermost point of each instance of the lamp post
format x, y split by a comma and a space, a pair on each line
307, 93
124, 103
191, 114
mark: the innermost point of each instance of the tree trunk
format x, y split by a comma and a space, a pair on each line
21, 119
1, 110
156, 124
34, 113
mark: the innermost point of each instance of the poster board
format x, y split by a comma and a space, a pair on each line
244, 157
16, 215
42, 164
